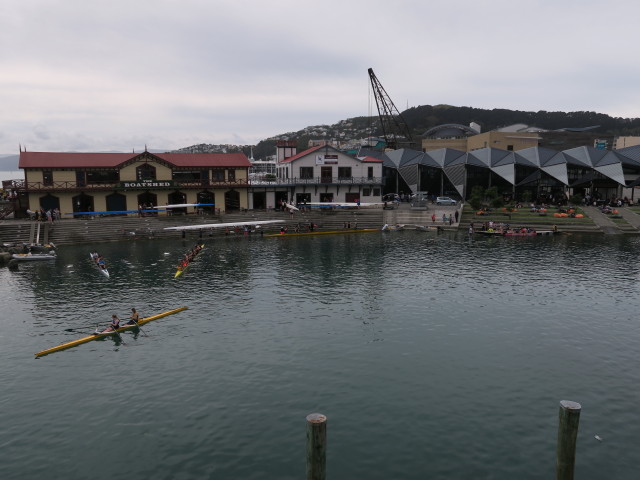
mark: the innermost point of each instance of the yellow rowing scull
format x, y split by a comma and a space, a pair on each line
124, 328
322, 232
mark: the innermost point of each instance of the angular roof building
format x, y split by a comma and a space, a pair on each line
542, 171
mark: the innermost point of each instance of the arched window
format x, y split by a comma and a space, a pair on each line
116, 202
146, 172
206, 197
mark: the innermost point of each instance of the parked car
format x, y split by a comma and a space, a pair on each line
445, 201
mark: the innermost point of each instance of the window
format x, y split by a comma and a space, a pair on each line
352, 197
306, 173
47, 177
510, 147
146, 172
218, 175
186, 175
344, 172
366, 192
102, 176
369, 172
376, 192
326, 197
231, 175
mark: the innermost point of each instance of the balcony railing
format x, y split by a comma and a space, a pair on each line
102, 186
318, 181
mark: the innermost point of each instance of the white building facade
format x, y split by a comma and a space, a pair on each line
319, 174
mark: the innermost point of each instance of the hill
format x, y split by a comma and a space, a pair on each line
424, 117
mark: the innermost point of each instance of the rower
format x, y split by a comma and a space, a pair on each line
134, 318
115, 324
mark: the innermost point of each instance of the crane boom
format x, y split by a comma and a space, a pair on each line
394, 128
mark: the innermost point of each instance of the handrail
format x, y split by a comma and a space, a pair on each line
61, 186
319, 181
67, 185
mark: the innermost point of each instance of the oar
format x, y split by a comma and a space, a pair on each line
139, 327
119, 336
114, 330
117, 333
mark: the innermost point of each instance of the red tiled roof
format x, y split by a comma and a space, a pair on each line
301, 154
112, 160
313, 149
370, 159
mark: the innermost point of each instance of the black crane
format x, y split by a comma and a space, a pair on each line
394, 128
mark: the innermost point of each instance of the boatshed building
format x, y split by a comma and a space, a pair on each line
120, 182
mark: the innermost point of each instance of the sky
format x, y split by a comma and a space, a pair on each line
88, 75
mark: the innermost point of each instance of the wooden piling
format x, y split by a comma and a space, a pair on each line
316, 446
567, 436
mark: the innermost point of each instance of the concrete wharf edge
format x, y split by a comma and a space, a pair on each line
109, 229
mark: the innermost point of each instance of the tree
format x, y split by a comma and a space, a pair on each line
477, 197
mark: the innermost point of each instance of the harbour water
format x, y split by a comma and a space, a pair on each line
433, 357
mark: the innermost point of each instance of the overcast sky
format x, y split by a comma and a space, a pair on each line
90, 75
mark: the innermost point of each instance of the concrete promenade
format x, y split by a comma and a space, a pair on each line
106, 229
609, 227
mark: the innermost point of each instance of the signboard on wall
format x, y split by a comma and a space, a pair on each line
145, 184
600, 144
327, 159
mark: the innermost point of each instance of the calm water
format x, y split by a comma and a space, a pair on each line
434, 357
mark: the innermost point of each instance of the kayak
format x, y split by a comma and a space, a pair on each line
104, 270
97, 336
180, 270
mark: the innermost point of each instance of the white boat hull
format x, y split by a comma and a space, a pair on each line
33, 256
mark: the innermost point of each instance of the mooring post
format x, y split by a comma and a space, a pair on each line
567, 435
316, 446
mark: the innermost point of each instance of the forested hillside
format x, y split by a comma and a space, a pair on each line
424, 117
421, 119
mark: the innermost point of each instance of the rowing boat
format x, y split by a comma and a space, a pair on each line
180, 270
124, 328
34, 256
325, 232
94, 259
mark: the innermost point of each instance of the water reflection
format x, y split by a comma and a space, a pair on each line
473, 340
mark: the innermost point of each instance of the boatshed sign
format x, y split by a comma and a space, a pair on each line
144, 184
327, 159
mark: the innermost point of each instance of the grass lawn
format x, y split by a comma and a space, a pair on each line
526, 217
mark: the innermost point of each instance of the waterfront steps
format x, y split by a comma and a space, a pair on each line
111, 229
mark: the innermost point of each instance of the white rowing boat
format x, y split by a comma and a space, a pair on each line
101, 267
34, 256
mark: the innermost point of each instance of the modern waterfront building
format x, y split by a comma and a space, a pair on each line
81, 182
543, 172
516, 137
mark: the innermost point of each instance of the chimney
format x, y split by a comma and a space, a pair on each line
285, 149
